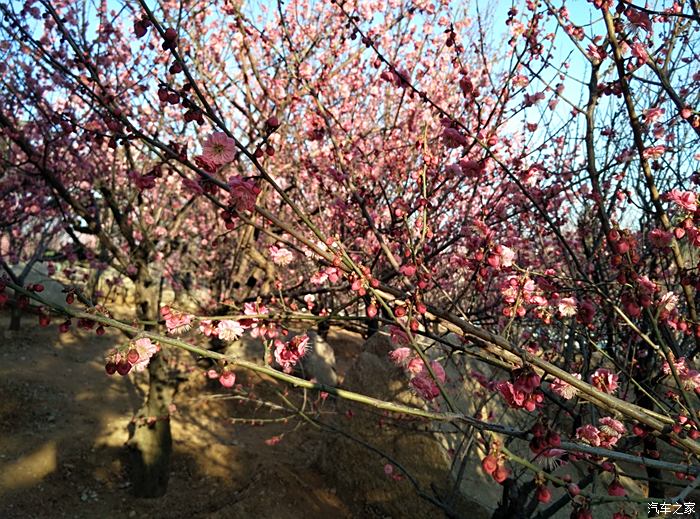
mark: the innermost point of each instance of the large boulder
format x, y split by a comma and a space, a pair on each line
53, 290
318, 363
404, 441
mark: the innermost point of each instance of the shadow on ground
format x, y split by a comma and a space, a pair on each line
63, 425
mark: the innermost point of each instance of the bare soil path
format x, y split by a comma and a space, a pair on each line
63, 425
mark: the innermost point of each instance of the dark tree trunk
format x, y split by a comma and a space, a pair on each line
150, 444
323, 328
514, 499
15, 317
93, 283
372, 327
150, 439
656, 487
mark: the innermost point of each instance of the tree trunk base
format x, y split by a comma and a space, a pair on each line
150, 440
15, 319
150, 448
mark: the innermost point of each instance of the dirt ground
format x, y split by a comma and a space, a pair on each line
63, 425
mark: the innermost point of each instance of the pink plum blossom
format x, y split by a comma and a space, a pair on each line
288, 354
660, 238
146, 349
453, 138
616, 489
518, 398
611, 426
638, 19
399, 355
668, 302
415, 365
567, 307
207, 328
206, 163
651, 115
227, 379
175, 321
689, 377
654, 152
243, 193
229, 330
258, 327
424, 384
685, 199
646, 285
219, 148
563, 389
589, 434
398, 336
640, 52
604, 380
280, 255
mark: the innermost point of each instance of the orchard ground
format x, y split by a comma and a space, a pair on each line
63, 425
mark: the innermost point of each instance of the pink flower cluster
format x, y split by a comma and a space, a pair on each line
654, 152
205, 163
280, 255
521, 290
586, 312
596, 53
258, 327
616, 489
452, 138
689, 377
606, 435
685, 199
639, 19
523, 392
208, 328
667, 305
398, 336
471, 168
533, 99
660, 238
421, 381
544, 440
244, 193
331, 274
494, 465
563, 389
137, 357
501, 256
142, 182
651, 115
287, 354
226, 330
605, 380
227, 378
397, 77
178, 322
175, 321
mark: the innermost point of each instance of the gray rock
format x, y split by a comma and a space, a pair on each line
319, 361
